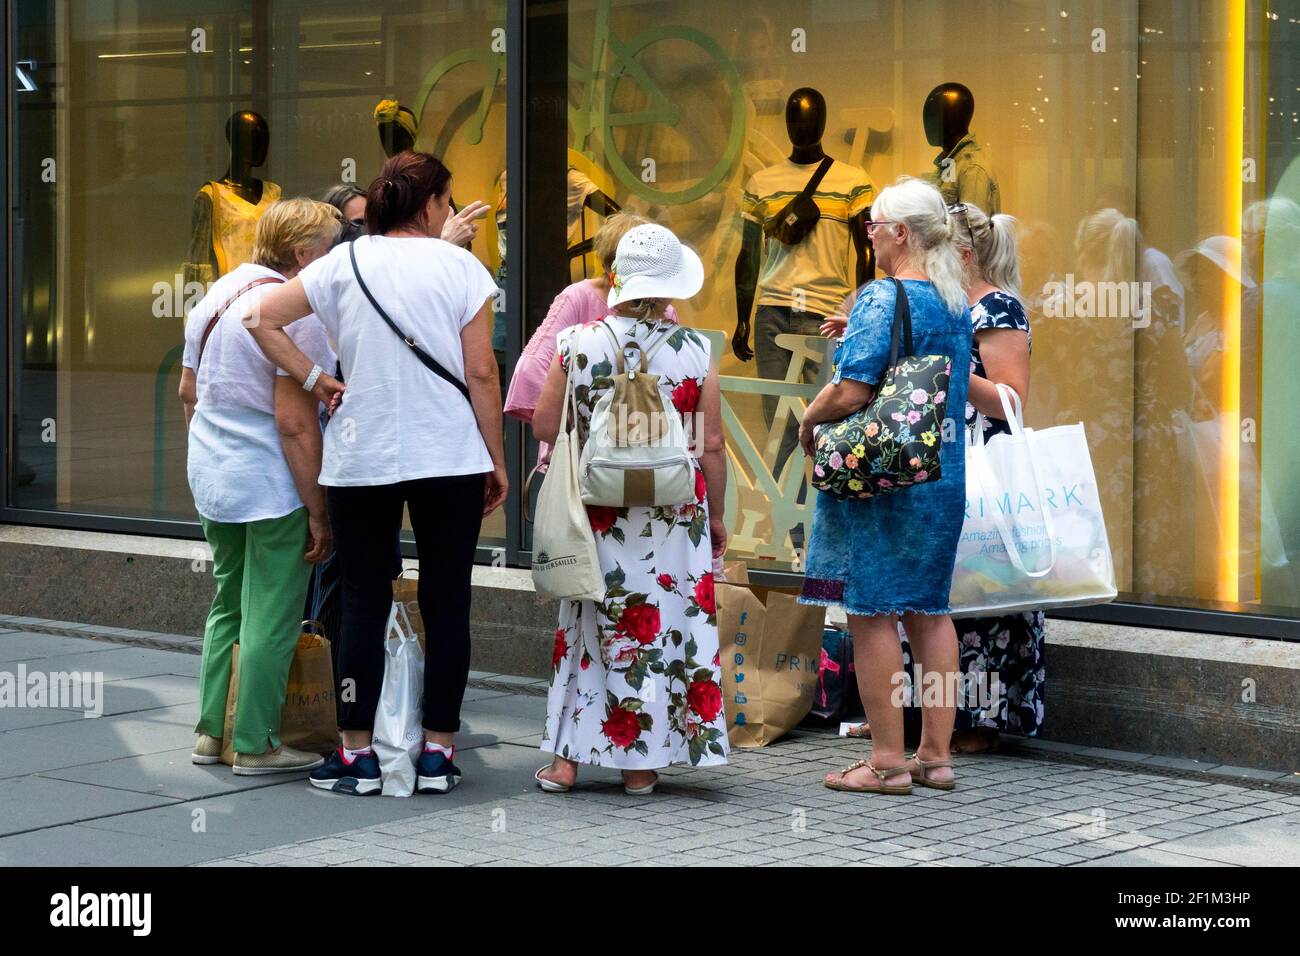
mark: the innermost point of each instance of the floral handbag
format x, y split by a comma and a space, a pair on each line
895, 440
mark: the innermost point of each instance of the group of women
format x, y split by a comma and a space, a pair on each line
391, 332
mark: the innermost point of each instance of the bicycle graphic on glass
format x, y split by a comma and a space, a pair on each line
621, 105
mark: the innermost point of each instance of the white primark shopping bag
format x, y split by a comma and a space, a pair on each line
1034, 536
565, 563
399, 725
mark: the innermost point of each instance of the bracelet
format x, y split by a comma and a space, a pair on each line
308, 385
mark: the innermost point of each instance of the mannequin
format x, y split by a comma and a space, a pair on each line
962, 171
398, 127
226, 210
796, 286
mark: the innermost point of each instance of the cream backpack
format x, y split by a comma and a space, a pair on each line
636, 453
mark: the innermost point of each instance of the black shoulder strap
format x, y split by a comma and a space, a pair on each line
428, 360
902, 324
818, 176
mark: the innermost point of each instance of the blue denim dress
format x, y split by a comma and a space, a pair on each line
895, 553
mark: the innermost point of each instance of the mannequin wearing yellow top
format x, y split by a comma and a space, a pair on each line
226, 210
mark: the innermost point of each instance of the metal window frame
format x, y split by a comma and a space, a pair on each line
528, 135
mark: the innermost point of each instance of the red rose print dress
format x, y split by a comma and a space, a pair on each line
636, 680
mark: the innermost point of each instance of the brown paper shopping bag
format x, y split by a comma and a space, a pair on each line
771, 646
308, 720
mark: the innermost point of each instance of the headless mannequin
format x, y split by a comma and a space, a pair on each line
805, 123
249, 137
396, 138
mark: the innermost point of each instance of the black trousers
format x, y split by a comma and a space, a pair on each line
446, 515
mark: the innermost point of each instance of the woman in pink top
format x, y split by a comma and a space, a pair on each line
582, 302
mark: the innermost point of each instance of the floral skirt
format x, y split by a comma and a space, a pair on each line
1004, 674
636, 678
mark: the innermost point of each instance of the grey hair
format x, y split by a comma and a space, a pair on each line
993, 242
919, 206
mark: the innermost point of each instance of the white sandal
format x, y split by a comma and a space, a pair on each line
645, 791
550, 786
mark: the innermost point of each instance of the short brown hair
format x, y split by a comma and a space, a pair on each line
612, 230
290, 224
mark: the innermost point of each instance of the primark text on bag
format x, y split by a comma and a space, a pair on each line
1034, 536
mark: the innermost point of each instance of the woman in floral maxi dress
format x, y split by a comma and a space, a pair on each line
636, 678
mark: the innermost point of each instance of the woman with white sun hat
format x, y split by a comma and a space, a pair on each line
636, 680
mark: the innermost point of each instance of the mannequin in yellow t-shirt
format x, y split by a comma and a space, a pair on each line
791, 289
226, 210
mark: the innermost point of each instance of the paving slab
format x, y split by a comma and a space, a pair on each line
1271, 842
166, 774
16, 646
80, 845
32, 802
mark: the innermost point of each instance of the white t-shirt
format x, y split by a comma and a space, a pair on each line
398, 421
236, 467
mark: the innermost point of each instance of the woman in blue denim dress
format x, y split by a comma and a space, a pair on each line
891, 556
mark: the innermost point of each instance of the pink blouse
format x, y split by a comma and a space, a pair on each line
575, 305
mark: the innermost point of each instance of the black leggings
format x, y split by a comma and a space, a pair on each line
446, 514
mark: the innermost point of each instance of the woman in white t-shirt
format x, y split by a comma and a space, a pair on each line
419, 424
253, 457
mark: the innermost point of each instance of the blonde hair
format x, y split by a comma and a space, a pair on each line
993, 243
612, 230
1108, 244
919, 206
290, 224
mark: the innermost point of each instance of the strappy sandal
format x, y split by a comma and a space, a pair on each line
920, 770
878, 787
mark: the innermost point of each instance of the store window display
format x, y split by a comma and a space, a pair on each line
226, 210
963, 171
804, 251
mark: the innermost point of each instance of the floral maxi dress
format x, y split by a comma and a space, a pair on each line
636, 678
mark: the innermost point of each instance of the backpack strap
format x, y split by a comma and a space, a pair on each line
646, 353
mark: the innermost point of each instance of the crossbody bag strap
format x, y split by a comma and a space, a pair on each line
822, 169
212, 322
425, 358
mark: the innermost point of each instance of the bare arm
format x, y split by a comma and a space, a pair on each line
713, 459
831, 404
300, 438
189, 393
546, 416
1005, 354
485, 397
282, 306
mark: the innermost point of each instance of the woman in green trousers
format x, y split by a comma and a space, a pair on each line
253, 463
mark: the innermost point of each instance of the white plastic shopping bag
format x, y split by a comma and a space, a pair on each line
399, 729
565, 563
1034, 536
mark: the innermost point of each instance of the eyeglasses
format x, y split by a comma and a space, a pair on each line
360, 221
871, 226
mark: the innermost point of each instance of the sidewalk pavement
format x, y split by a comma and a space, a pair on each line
120, 791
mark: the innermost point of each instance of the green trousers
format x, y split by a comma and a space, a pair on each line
261, 586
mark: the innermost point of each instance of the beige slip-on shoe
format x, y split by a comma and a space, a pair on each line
284, 760
206, 749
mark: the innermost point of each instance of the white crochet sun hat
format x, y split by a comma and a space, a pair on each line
652, 263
